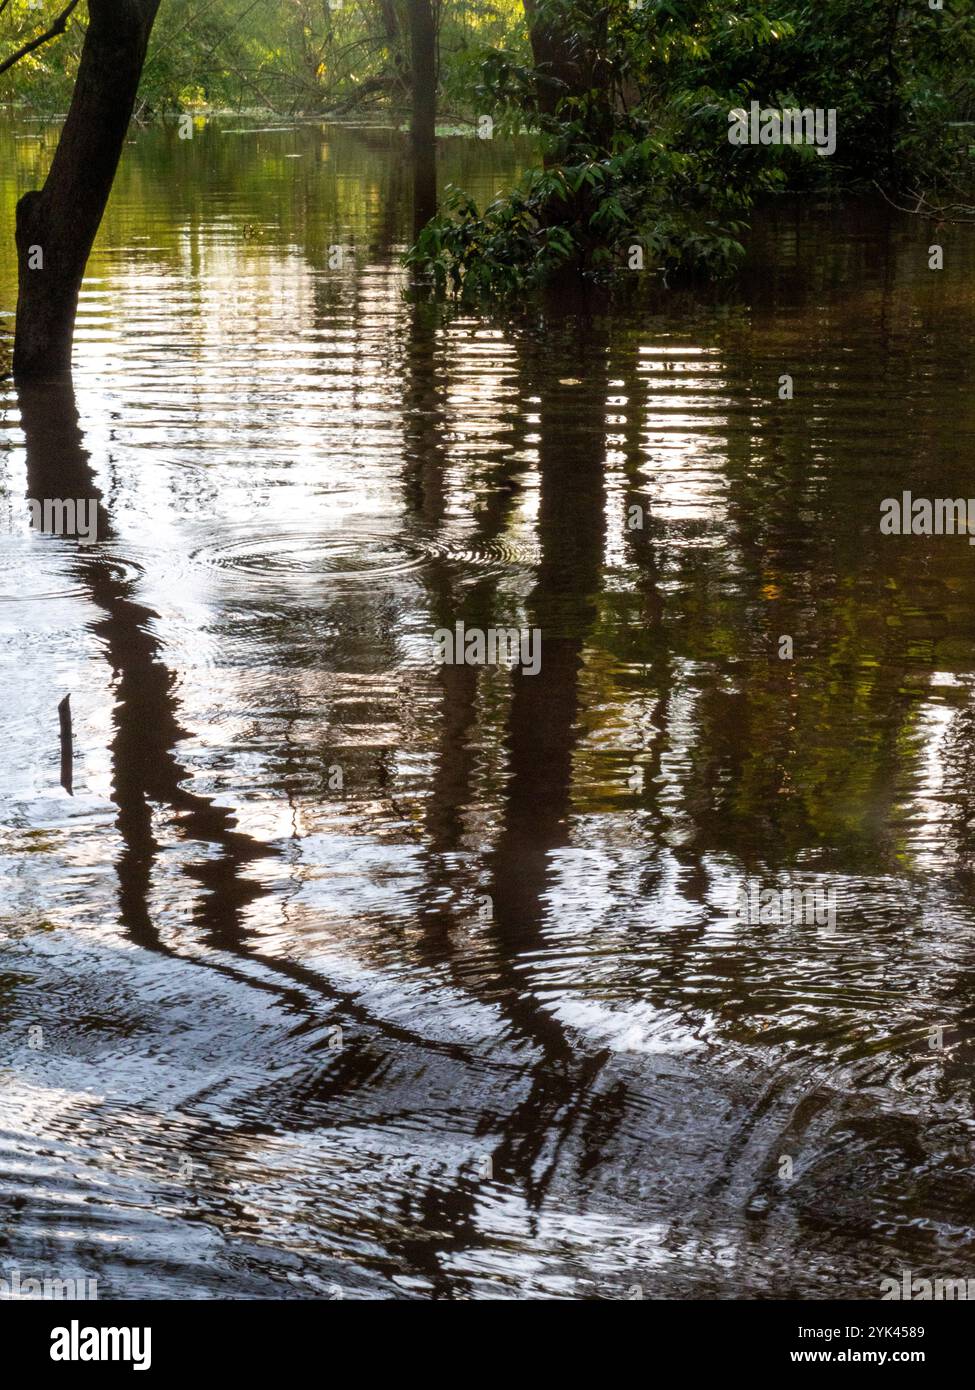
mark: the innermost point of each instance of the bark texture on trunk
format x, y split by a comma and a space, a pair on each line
57, 225
556, 52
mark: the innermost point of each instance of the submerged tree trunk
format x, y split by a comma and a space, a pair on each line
57, 225
423, 47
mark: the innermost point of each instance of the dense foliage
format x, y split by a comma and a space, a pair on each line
286, 56
628, 98
638, 165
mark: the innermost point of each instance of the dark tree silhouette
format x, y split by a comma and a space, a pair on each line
57, 225
423, 48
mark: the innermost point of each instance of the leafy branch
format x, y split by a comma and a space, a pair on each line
58, 27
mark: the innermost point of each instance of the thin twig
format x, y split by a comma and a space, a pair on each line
923, 208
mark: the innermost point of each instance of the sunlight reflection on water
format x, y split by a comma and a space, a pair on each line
476, 1017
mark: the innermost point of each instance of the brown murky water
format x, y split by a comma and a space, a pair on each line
345, 972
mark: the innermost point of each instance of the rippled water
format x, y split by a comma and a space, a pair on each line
358, 974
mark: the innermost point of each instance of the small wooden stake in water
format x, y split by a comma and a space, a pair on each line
67, 746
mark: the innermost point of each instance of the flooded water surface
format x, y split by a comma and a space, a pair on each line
345, 972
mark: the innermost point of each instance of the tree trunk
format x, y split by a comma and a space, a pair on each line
395, 45
57, 225
569, 51
556, 54
423, 47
